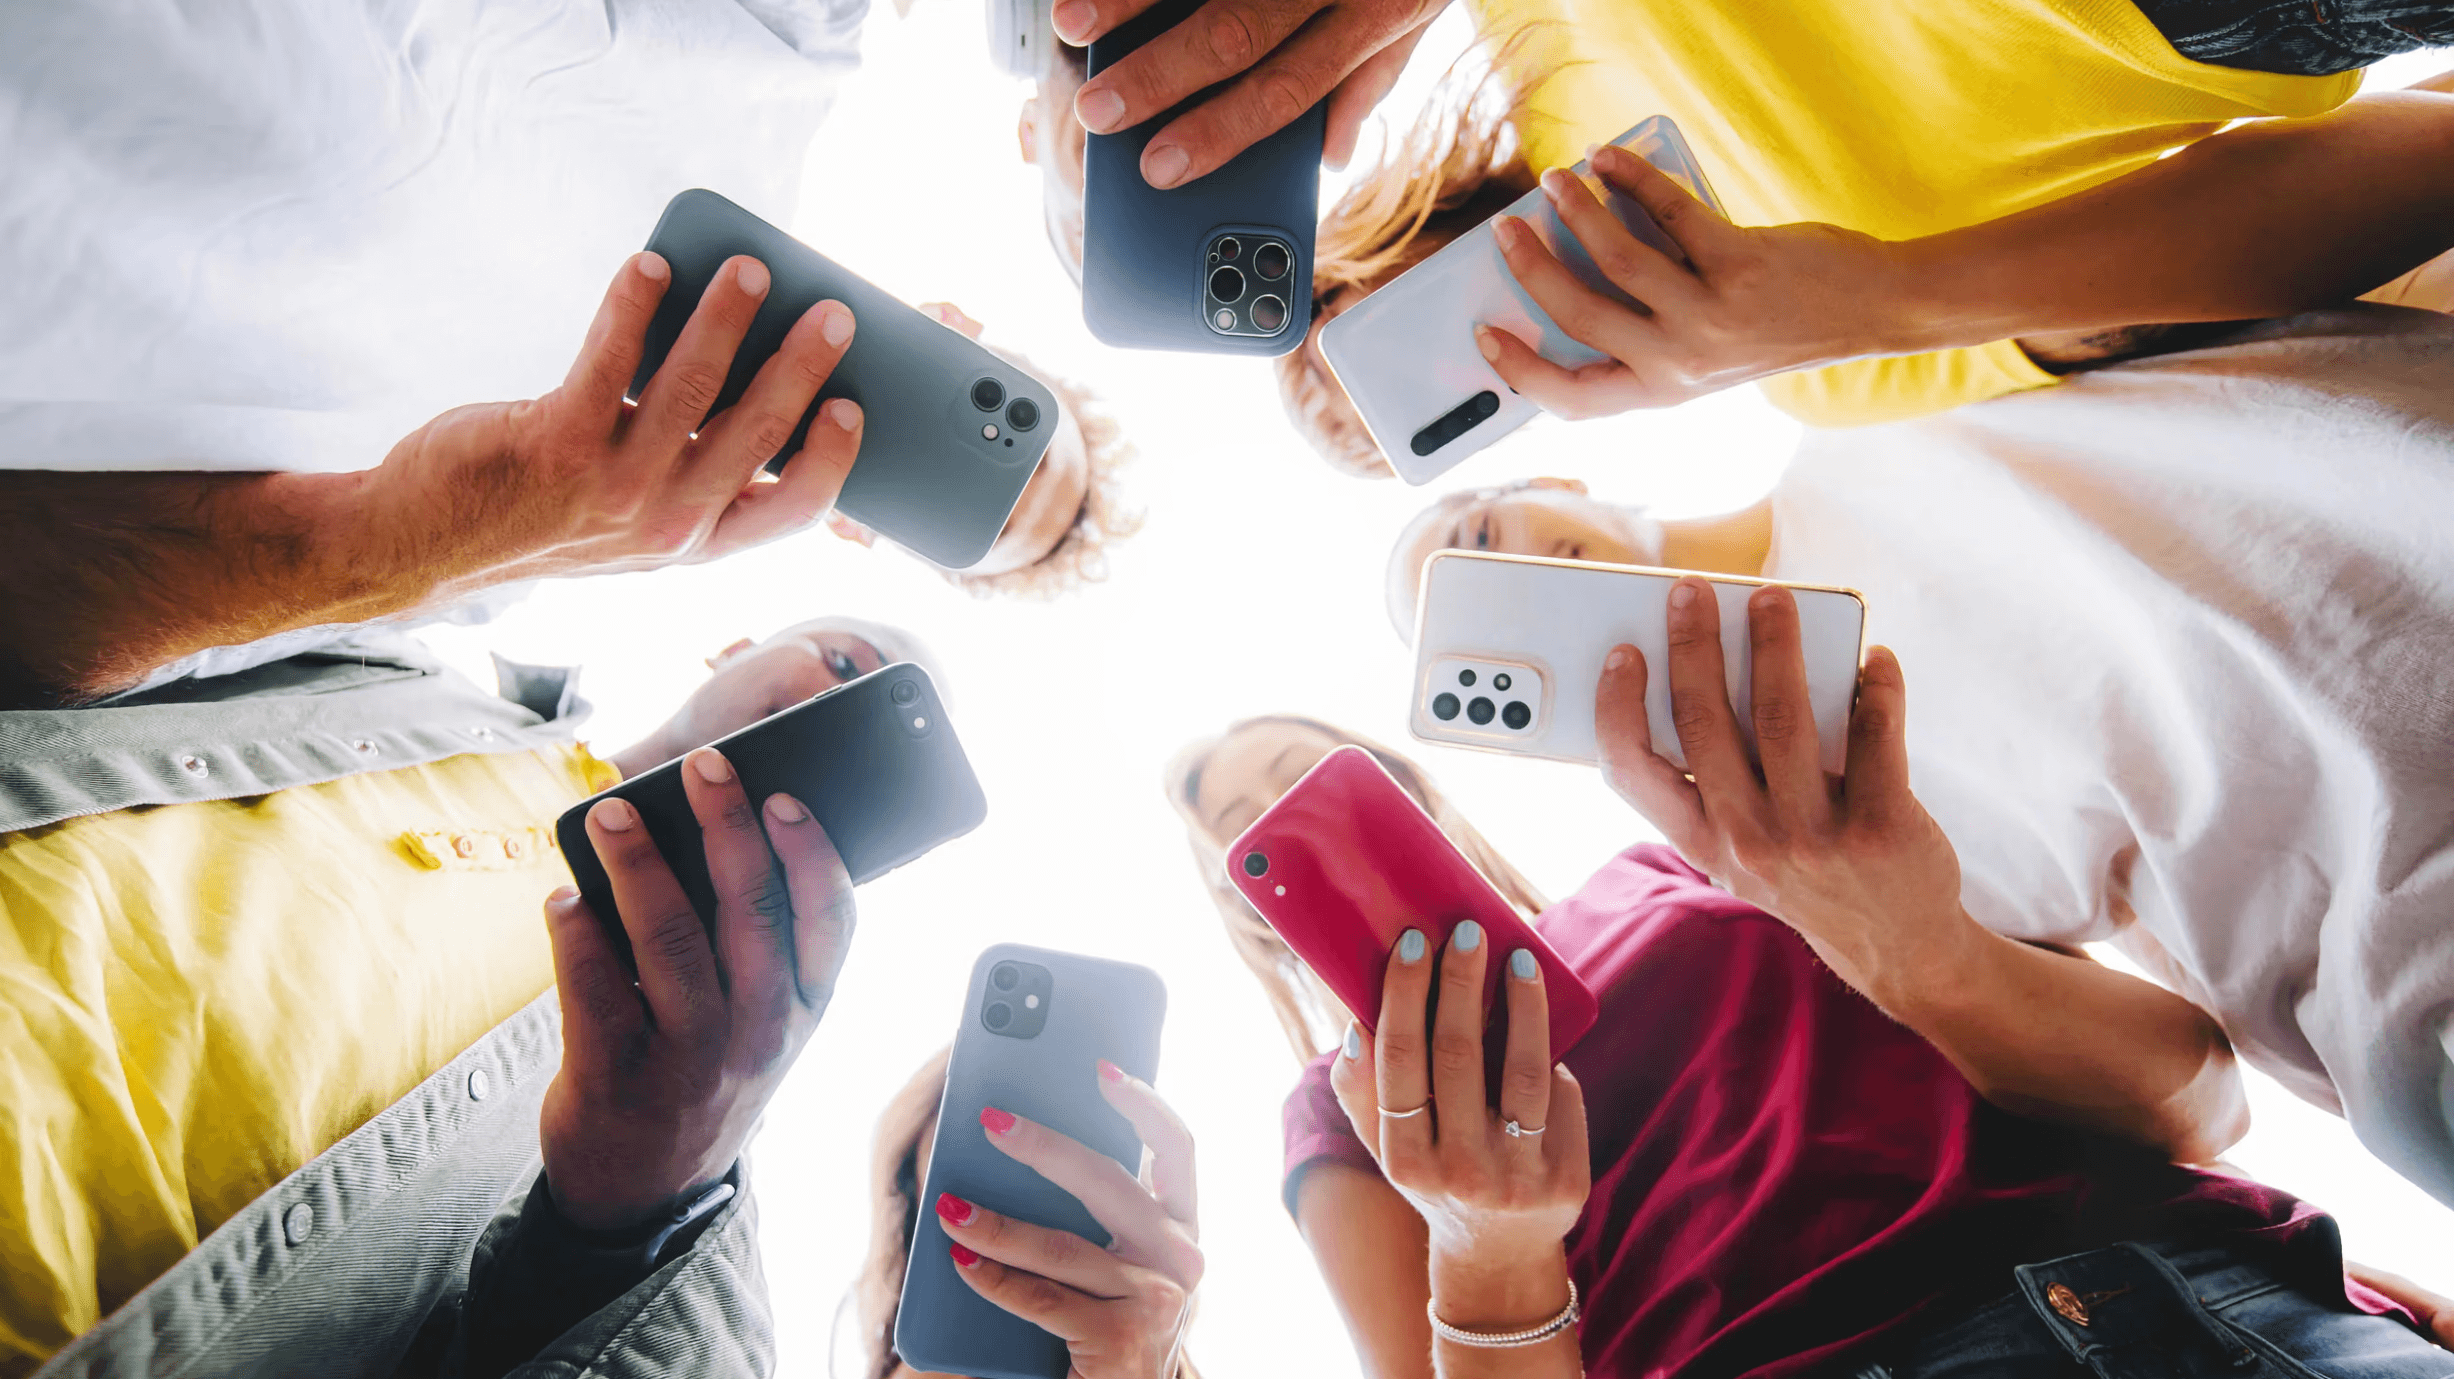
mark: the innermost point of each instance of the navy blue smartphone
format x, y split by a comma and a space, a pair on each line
1219, 265
874, 759
950, 432
1035, 1025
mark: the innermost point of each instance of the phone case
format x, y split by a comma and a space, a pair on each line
1091, 1009
1406, 354
1349, 861
884, 790
1146, 253
928, 477
1514, 645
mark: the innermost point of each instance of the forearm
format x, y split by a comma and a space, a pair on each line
2064, 1038
2263, 220
1475, 1291
1370, 1247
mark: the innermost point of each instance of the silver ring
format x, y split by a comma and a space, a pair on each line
1387, 1114
1519, 1132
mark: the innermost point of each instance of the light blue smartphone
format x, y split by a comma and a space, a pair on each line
1406, 354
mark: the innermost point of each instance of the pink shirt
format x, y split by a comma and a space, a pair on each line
1784, 1179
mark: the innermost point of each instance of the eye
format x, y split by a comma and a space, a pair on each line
1576, 550
1482, 535
840, 665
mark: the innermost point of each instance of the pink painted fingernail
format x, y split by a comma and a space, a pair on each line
751, 277
834, 323
1099, 111
1110, 1071
711, 766
652, 266
953, 1208
995, 1121
615, 815
963, 1257
784, 809
1488, 342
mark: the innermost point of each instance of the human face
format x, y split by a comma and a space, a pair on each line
1047, 508
1544, 517
1054, 141
1247, 772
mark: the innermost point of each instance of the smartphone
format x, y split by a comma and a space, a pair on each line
1218, 265
874, 759
1508, 650
1035, 1024
950, 431
1406, 354
1346, 861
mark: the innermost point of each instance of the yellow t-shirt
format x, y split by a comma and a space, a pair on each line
197, 999
1897, 118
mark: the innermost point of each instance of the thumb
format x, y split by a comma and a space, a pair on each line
1703, 234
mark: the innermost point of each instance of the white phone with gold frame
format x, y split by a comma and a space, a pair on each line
1509, 648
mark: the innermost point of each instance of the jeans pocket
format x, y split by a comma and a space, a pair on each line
2304, 1339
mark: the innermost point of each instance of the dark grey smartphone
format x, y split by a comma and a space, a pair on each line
950, 432
875, 760
1035, 1025
1221, 264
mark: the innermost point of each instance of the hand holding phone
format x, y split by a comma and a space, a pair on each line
1346, 864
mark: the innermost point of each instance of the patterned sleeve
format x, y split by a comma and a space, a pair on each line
1317, 1131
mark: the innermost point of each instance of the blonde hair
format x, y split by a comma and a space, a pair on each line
1458, 166
1080, 556
1309, 1014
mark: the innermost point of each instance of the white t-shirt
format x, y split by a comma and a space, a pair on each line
281, 234
2179, 640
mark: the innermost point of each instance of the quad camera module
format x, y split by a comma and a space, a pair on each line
1483, 694
1248, 285
1021, 413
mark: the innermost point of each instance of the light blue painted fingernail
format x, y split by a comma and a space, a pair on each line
1521, 965
1469, 936
1410, 946
1354, 1043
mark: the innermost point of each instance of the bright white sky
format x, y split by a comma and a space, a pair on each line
1254, 588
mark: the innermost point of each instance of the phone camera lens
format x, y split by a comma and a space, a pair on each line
998, 1016
1004, 975
1226, 284
1466, 678
1255, 864
904, 692
988, 395
1480, 710
1228, 248
1270, 261
1022, 414
1444, 707
1516, 715
1269, 314
1500, 681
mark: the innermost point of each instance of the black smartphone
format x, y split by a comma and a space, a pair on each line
874, 759
1035, 1025
950, 432
1221, 264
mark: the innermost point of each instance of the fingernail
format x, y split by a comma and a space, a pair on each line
1073, 19
963, 1258
784, 809
1617, 659
563, 895
834, 323
711, 766
1468, 936
1164, 166
1488, 343
1353, 1047
953, 1208
1099, 110
1682, 594
995, 1121
1554, 183
1521, 965
614, 815
652, 266
1511, 232
846, 413
752, 278
1410, 946
1110, 1071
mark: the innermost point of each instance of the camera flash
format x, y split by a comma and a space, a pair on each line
1282, 890
1226, 319
989, 432
1031, 1002
919, 722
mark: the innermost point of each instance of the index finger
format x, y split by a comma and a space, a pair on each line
1143, 1232
1403, 1069
1216, 42
1878, 776
1700, 705
1785, 740
1169, 1142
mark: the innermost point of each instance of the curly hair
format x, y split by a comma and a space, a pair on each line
1080, 556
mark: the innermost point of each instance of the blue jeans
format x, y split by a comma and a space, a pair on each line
2162, 1312
2311, 38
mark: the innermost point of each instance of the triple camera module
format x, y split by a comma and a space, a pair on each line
1247, 288
1016, 1002
1483, 695
1021, 414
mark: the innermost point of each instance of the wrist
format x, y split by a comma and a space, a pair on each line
1914, 970
1925, 305
1494, 1290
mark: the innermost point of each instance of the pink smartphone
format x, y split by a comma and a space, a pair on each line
1346, 861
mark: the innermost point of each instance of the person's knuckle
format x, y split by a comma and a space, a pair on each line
678, 939
1285, 94
1455, 1052
1235, 34
1872, 722
766, 901
767, 432
1777, 719
1065, 1251
695, 385
1693, 713
1527, 1084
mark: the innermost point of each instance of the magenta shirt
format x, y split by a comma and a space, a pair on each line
1784, 1179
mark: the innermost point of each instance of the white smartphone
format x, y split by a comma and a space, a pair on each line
1406, 354
1508, 650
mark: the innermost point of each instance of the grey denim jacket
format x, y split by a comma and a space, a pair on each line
357, 1264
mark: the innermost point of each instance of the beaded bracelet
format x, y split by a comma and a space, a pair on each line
1511, 1339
